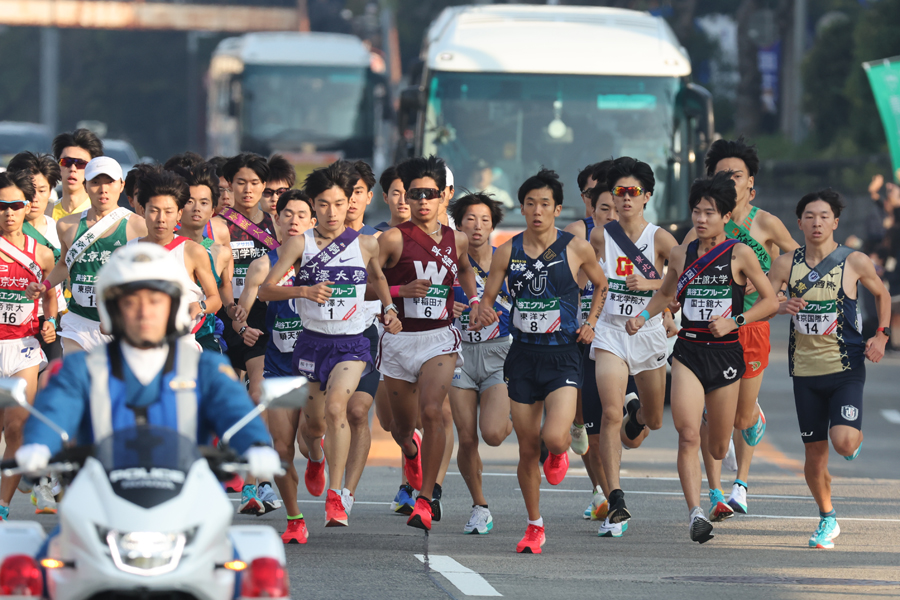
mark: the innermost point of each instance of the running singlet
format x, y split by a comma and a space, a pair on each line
84, 271
51, 241
497, 330
545, 295
432, 260
18, 314
622, 303
588, 292
344, 313
244, 250
826, 336
711, 293
283, 323
741, 232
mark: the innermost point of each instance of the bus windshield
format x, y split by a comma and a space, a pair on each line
497, 129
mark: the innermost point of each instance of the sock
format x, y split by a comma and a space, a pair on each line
338, 492
741, 483
262, 483
538, 523
831, 513
320, 460
290, 518
481, 505
578, 426
437, 493
346, 492
691, 512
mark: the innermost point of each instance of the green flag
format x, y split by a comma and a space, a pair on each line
884, 77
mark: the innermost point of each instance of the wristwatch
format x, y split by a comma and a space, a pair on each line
885, 330
740, 320
392, 307
202, 304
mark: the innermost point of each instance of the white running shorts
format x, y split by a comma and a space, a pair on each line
644, 351
18, 355
402, 355
82, 331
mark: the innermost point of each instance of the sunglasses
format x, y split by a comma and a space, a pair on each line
15, 205
586, 192
78, 163
269, 192
632, 190
423, 194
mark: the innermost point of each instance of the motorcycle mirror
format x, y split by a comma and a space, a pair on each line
285, 392
12, 392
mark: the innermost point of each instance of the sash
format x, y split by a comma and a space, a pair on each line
699, 265
251, 228
94, 233
428, 245
738, 232
325, 256
615, 231
480, 276
20, 257
179, 240
555, 249
808, 282
29, 230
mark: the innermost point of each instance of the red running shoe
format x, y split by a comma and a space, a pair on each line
555, 468
315, 477
421, 515
235, 484
335, 514
412, 467
533, 540
296, 532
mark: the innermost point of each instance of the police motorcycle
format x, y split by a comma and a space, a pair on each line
145, 517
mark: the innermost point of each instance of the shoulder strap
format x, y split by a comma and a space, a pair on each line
40, 238
187, 360
94, 233
97, 362
742, 234
251, 228
646, 266
179, 240
700, 265
20, 257
808, 282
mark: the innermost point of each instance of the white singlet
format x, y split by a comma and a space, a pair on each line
345, 312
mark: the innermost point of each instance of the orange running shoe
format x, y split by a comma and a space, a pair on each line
315, 477
533, 540
555, 467
421, 514
412, 467
235, 484
296, 532
335, 514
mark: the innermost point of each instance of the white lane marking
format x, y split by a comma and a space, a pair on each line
817, 518
891, 415
465, 579
570, 474
681, 494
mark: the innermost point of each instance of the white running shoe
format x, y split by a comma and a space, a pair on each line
579, 439
42, 498
267, 496
347, 499
615, 530
738, 498
480, 522
730, 460
700, 528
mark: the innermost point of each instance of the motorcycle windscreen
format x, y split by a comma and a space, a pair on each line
146, 465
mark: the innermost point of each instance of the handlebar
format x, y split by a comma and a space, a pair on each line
9, 468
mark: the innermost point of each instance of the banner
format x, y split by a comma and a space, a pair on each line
884, 77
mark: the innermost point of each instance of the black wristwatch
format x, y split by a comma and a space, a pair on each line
740, 320
885, 330
202, 306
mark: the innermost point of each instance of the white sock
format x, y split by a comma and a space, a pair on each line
320, 460
538, 523
346, 492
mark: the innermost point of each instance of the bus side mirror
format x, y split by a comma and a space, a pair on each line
696, 102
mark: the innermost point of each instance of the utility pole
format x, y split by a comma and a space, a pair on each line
49, 86
792, 125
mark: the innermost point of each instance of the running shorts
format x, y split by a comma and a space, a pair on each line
21, 354
824, 401
84, 332
754, 339
317, 354
591, 406
401, 355
715, 365
644, 351
482, 365
534, 371
239, 352
368, 384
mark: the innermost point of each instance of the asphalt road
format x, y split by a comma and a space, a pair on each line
761, 555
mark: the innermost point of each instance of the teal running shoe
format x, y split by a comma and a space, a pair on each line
4, 513
825, 533
855, 454
753, 435
718, 508
250, 502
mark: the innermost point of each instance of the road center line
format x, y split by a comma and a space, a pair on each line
891, 415
463, 578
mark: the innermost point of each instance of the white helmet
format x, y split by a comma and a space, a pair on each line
140, 266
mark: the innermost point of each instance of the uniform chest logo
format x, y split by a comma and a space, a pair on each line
624, 266
813, 276
430, 271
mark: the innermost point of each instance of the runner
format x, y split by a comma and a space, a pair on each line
418, 363
633, 252
86, 241
395, 197
22, 260
333, 264
544, 366
587, 179
130, 183
226, 197
827, 352
282, 177
479, 382
766, 235
73, 151
708, 277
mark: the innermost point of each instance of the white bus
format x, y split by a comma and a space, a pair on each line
503, 90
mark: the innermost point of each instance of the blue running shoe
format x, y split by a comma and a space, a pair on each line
4, 513
825, 533
855, 454
404, 501
718, 508
250, 502
267, 496
753, 435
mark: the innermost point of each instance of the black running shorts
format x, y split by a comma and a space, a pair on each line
533, 371
715, 365
824, 401
591, 407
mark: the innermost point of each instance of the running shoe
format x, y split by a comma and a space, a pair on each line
587, 511
437, 509
617, 512
4, 513
335, 514
412, 467
855, 454
579, 439
42, 498
533, 540
738, 498
296, 532
480, 521
701, 528
719, 510
615, 530
730, 460
235, 484
404, 501
348, 500
825, 533
421, 514
632, 428
753, 435
267, 496
314, 477
555, 468
597, 509
25, 486
250, 502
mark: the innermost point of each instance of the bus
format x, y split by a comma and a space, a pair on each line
503, 90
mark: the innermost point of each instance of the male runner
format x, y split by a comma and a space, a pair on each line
226, 197
282, 177
543, 369
22, 260
479, 382
395, 197
86, 241
418, 363
333, 265
73, 151
766, 235
708, 276
827, 353
587, 179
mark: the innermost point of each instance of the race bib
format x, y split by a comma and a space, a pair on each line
345, 301
586, 297
623, 302
491, 332
703, 303
284, 334
85, 294
536, 315
239, 279
432, 306
819, 317
15, 308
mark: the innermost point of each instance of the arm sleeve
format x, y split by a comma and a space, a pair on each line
64, 401
224, 400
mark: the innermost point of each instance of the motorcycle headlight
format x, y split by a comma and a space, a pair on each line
146, 552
